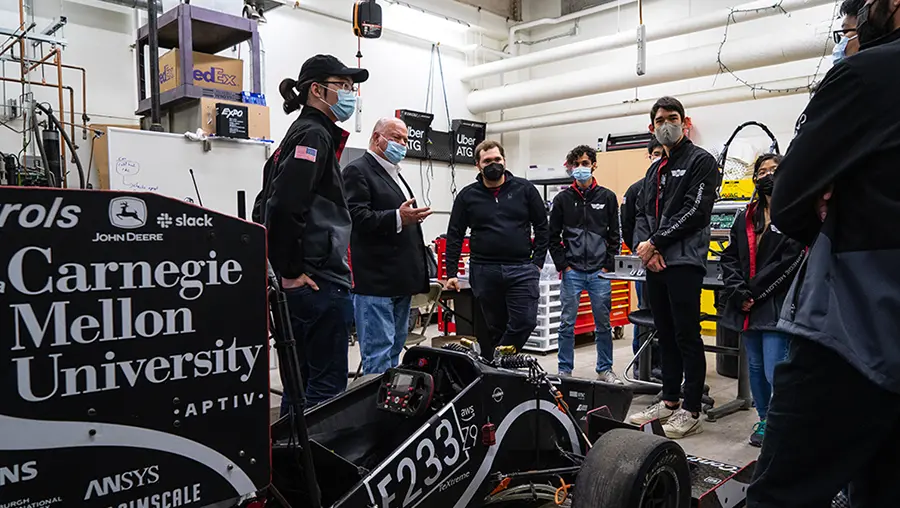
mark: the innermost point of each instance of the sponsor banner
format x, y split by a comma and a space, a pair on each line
466, 135
419, 125
133, 352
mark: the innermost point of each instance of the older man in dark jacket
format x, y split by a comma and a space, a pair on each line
844, 306
386, 246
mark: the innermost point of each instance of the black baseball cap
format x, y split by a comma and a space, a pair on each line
321, 66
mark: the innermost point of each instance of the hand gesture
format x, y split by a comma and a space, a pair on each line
410, 215
747, 305
299, 282
452, 284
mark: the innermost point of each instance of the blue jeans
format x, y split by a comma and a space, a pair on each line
321, 323
573, 283
764, 351
382, 325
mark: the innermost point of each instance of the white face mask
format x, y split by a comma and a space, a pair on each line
654, 159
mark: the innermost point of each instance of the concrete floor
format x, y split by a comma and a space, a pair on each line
724, 440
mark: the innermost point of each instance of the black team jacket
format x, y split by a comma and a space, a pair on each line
759, 267
846, 295
675, 203
584, 229
303, 204
502, 221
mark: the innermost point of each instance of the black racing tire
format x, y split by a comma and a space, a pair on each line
632, 469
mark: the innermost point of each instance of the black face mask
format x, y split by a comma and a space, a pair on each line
493, 171
874, 21
765, 185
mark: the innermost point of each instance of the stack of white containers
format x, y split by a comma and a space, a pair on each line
545, 336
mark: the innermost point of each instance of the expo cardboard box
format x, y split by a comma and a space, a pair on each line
210, 71
203, 116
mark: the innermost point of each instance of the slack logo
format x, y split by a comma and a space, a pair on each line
215, 75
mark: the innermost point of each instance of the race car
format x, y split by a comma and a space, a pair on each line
449, 429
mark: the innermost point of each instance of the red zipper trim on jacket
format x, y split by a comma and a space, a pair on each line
658, 186
578, 190
751, 238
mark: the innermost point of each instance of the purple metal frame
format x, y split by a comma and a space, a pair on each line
185, 16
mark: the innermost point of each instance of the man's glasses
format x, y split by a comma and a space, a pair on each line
343, 85
840, 34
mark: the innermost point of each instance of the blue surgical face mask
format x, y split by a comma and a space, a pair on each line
345, 106
840, 50
582, 174
395, 152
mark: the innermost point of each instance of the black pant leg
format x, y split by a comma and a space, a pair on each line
806, 461
670, 356
489, 290
321, 322
522, 296
684, 284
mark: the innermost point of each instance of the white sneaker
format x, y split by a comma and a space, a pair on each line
682, 424
657, 411
609, 377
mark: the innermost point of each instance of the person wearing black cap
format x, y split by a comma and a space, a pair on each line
304, 208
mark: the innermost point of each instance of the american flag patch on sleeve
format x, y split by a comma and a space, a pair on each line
305, 153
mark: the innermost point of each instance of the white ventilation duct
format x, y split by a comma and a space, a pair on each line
697, 62
780, 88
655, 32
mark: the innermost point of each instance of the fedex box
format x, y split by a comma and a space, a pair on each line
210, 71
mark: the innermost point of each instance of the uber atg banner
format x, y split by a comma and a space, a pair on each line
466, 136
133, 352
418, 124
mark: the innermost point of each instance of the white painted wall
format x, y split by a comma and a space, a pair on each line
547, 147
399, 74
100, 39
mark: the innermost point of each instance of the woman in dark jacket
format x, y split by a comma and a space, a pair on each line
759, 265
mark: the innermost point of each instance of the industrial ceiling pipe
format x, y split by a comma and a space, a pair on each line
655, 32
697, 62
597, 9
780, 88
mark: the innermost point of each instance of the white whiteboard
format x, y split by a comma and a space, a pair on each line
161, 163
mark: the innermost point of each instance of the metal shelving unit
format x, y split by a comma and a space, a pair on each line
202, 30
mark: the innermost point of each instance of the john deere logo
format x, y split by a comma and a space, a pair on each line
127, 212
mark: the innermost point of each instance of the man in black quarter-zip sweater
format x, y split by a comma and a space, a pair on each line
505, 264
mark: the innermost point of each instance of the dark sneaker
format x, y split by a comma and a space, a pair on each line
759, 432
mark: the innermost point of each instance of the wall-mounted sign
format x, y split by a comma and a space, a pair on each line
418, 124
466, 136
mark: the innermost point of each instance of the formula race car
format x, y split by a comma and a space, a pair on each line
449, 429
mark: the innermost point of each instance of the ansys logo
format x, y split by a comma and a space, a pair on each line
127, 212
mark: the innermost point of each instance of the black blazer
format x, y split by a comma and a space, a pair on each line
384, 262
